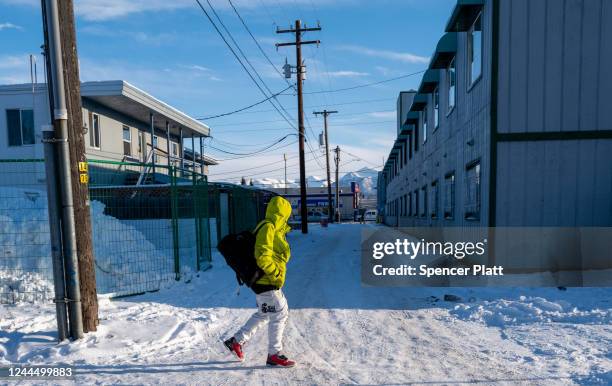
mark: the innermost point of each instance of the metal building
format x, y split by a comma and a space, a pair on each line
512, 122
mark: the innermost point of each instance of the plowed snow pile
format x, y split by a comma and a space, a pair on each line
25, 252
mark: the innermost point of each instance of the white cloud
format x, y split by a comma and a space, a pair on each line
4, 26
155, 39
345, 74
405, 57
383, 114
97, 10
175, 85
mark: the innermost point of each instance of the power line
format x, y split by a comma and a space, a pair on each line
324, 105
245, 108
236, 175
251, 168
258, 45
247, 59
255, 152
238, 58
366, 84
280, 120
255, 155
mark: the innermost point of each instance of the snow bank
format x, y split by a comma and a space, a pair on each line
126, 261
529, 309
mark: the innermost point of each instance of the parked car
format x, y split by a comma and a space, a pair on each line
370, 215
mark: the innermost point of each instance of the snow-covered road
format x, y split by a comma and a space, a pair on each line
338, 331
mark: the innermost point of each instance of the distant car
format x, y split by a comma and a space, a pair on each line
370, 215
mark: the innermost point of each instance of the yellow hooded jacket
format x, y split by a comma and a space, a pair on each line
272, 251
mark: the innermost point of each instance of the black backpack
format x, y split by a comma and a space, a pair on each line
239, 253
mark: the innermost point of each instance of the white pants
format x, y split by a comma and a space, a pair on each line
271, 307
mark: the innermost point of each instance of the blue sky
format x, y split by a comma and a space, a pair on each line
169, 49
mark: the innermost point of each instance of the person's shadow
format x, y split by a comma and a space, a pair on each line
164, 368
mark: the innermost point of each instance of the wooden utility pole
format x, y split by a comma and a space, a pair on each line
79, 176
337, 161
298, 30
325, 114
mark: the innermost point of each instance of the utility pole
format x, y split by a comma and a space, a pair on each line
298, 30
61, 55
337, 161
325, 114
285, 158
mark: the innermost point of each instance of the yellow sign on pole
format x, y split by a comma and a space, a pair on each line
83, 167
84, 178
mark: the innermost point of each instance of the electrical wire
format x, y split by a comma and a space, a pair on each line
280, 120
249, 62
366, 84
323, 105
244, 108
259, 45
238, 58
256, 155
255, 152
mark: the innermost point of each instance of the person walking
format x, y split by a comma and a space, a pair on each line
272, 253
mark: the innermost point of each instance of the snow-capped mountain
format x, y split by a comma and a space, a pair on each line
366, 178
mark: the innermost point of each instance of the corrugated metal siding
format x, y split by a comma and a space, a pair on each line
447, 148
555, 61
555, 183
555, 68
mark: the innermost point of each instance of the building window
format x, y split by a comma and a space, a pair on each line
154, 149
451, 81
449, 196
424, 201
127, 141
472, 191
425, 124
175, 149
435, 199
20, 125
415, 212
436, 106
94, 132
474, 48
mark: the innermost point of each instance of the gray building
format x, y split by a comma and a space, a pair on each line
511, 125
121, 123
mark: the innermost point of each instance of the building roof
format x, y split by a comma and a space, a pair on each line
125, 98
463, 15
445, 51
430, 81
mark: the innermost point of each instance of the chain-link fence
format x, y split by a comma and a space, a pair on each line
149, 228
235, 208
25, 252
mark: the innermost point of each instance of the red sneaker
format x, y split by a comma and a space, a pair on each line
279, 360
234, 346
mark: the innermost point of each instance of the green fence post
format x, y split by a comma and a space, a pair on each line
196, 218
206, 215
175, 225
